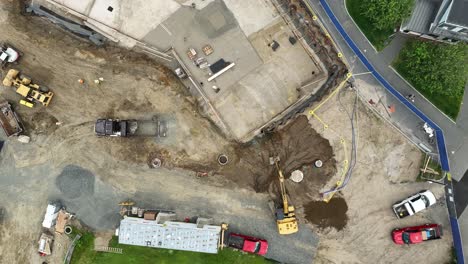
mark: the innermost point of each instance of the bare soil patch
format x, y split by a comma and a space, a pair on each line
331, 214
296, 144
385, 161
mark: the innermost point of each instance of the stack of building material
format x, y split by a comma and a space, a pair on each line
62, 220
50, 216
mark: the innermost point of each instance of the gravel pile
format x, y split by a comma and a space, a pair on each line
75, 181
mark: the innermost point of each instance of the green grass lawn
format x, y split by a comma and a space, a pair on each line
84, 254
427, 65
375, 36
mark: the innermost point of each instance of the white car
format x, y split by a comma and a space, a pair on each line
414, 204
8, 55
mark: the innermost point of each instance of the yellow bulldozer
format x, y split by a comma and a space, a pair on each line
285, 217
32, 92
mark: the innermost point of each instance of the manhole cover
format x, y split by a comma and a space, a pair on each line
318, 164
297, 176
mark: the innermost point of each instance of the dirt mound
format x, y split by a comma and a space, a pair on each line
331, 214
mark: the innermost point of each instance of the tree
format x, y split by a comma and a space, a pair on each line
435, 68
386, 14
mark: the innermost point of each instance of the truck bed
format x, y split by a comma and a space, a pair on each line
9, 120
151, 128
236, 242
401, 211
430, 234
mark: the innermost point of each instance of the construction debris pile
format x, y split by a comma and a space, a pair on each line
55, 221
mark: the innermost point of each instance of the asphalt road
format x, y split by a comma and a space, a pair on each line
456, 134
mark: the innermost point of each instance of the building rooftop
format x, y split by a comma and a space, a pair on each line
169, 235
459, 13
422, 15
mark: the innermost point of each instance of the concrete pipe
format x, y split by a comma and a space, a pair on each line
223, 159
156, 163
68, 230
318, 163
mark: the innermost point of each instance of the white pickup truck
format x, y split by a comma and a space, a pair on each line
414, 204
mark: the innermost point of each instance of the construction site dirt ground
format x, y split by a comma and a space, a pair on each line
65, 161
385, 172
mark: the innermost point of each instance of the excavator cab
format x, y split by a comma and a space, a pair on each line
287, 226
287, 223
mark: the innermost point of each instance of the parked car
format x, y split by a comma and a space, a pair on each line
248, 244
414, 204
416, 234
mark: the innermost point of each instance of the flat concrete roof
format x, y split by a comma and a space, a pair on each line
169, 235
134, 18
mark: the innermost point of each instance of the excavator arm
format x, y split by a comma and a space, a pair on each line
288, 222
284, 197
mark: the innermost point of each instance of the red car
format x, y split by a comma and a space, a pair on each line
416, 234
248, 244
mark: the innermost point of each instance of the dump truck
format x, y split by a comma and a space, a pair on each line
9, 120
132, 127
248, 244
32, 92
414, 204
8, 54
416, 234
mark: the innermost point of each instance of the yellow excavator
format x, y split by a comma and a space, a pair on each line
285, 216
